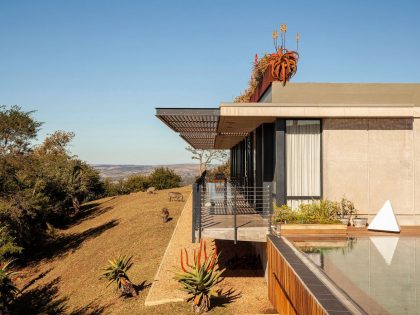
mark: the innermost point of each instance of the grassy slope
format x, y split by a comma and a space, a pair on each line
68, 283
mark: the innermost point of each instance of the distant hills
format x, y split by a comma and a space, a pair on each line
114, 172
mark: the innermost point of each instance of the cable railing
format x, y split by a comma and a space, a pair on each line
227, 205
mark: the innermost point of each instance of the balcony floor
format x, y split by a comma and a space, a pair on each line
217, 214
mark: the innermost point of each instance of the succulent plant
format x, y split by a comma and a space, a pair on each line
7, 289
283, 64
116, 272
199, 278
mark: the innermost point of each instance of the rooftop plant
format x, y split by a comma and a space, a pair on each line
283, 65
199, 278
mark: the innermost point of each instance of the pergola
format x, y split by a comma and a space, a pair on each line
199, 127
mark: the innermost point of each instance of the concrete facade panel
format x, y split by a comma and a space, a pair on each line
391, 139
340, 144
371, 160
391, 180
347, 179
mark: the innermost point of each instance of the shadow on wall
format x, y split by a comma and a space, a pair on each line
240, 260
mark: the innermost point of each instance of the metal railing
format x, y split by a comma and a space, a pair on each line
226, 204
198, 188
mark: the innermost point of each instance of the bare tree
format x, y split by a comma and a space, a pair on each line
205, 157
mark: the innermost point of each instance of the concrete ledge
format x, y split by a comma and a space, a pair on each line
250, 234
312, 229
164, 288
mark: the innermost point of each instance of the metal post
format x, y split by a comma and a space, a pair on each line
270, 206
225, 193
201, 196
235, 228
194, 207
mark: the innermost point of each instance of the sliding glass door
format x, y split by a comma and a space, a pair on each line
303, 161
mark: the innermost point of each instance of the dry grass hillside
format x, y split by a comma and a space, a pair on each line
64, 278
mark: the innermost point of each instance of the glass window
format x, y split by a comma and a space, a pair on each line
303, 161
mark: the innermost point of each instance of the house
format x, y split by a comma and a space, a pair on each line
319, 140
294, 144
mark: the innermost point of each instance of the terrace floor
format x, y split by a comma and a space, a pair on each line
218, 218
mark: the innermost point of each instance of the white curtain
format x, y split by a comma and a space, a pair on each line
303, 159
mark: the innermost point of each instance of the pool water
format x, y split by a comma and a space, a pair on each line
381, 273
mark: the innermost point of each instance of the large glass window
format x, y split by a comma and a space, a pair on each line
303, 161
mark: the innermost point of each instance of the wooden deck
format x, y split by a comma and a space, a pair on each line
334, 234
294, 288
405, 231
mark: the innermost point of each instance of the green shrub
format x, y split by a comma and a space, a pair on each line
136, 183
8, 246
317, 212
164, 178
7, 289
160, 178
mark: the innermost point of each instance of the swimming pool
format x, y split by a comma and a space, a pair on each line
381, 274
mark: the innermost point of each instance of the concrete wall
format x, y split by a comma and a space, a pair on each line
373, 160
347, 94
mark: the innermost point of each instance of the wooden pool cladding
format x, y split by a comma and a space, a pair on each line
293, 288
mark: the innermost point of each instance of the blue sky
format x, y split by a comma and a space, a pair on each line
99, 68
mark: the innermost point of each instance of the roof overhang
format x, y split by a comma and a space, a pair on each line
213, 128
199, 127
245, 117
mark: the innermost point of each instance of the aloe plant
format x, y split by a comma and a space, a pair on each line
116, 272
7, 289
199, 278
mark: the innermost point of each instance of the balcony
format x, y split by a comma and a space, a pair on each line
224, 209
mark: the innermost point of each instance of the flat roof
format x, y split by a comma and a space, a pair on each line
223, 127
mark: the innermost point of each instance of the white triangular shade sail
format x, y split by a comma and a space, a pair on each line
386, 246
385, 220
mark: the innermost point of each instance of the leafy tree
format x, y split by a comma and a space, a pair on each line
56, 144
205, 157
164, 178
22, 208
17, 130
70, 181
220, 169
38, 184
